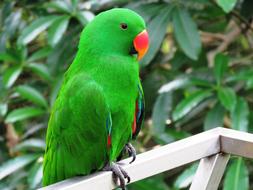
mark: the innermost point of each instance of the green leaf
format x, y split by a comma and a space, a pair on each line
11, 75
32, 95
221, 66
32, 131
15, 164
241, 75
226, 5
12, 23
227, 98
240, 115
194, 114
175, 84
148, 10
35, 28
161, 111
35, 175
60, 6
56, 31
23, 113
64, 53
163, 138
74, 3
3, 109
41, 53
200, 82
85, 17
6, 10
190, 102
185, 178
182, 82
249, 83
22, 52
245, 75
237, 176
177, 134
157, 29
41, 70
8, 57
186, 33
214, 117
152, 183
30, 144
12, 181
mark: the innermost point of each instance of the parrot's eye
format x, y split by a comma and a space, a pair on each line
123, 26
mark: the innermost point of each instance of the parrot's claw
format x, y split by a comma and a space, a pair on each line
119, 173
131, 151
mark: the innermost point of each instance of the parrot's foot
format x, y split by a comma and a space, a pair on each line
119, 173
131, 151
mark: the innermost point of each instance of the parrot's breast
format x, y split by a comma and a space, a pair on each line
120, 83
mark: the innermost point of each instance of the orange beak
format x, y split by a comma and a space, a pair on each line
141, 43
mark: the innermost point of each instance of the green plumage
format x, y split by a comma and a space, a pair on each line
97, 99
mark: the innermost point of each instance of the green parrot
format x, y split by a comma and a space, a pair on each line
100, 106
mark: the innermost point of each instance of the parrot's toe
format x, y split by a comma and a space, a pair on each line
125, 174
131, 151
119, 174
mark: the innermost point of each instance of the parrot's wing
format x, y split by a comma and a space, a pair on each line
139, 113
78, 131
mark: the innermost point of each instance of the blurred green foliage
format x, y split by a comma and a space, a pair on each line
197, 75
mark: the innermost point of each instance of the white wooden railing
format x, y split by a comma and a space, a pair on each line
212, 148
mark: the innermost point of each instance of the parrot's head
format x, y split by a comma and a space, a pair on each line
116, 31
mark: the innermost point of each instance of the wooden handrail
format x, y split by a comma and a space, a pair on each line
212, 147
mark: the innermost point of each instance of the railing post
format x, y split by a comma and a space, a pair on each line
210, 172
